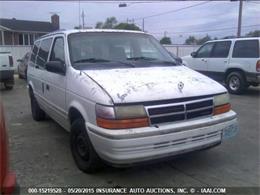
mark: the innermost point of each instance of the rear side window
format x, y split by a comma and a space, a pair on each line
221, 49
205, 50
35, 51
246, 49
43, 52
57, 53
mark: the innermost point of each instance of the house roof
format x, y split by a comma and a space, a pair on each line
26, 25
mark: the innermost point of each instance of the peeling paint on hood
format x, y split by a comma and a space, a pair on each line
153, 83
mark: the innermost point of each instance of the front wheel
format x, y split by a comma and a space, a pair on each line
82, 149
8, 85
236, 83
37, 113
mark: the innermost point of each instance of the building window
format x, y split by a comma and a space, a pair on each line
31, 39
20, 39
26, 39
1, 41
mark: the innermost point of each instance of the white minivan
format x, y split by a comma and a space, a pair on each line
234, 61
124, 99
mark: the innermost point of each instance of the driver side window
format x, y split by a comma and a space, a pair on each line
57, 53
205, 51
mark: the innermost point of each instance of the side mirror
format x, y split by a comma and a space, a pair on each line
19, 60
193, 54
56, 67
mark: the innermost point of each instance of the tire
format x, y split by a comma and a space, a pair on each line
25, 74
37, 113
82, 149
236, 83
8, 86
19, 74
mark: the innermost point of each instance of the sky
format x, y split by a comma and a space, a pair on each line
215, 18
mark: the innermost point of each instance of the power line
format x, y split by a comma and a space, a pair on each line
128, 2
204, 31
258, 3
171, 11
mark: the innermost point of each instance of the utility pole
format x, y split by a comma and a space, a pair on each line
239, 18
83, 19
143, 25
79, 13
165, 34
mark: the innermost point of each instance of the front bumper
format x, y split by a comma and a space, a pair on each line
122, 147
6, 75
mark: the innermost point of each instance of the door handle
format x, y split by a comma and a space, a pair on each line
225, 61
204, 60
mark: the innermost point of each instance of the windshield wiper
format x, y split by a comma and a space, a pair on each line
141, 58
91, 60
79, 63
169, 62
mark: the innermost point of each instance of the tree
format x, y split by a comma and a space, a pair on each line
203, 40
99, 25
127, 26
110, 23
166, 40
255, 33
191, 40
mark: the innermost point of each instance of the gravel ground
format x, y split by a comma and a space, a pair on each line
40, 153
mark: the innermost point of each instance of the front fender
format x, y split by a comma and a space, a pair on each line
82, 109
30, 85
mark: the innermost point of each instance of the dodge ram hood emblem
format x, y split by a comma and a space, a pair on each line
180, 86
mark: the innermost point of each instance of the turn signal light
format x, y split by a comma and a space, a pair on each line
222, 109
258, 66
122, 123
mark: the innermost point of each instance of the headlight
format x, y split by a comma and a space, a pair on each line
221, 99
221, 104
126, 112
121, 117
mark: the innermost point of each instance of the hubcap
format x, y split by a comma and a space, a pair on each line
82, 147
234, 83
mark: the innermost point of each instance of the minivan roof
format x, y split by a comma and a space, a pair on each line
67, 32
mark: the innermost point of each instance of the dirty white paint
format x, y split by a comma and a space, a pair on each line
153, 83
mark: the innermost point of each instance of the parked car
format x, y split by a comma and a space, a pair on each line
6, 69
22, 66
7, 178
234, 61
123, 98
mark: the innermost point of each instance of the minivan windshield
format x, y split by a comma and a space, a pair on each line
88, 49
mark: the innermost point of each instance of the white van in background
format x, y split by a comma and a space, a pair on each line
234, 61
7, 69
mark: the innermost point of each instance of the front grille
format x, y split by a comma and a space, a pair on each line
180, 111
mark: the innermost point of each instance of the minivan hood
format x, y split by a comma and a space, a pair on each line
153, 83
